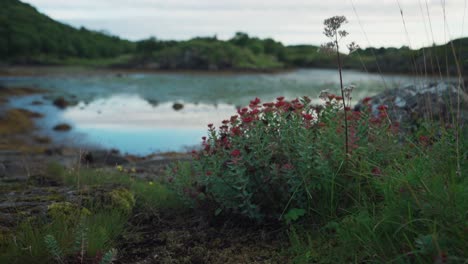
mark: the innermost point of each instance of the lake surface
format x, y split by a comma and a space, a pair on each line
134, 112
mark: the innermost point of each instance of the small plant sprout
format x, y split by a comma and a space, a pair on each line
333, 32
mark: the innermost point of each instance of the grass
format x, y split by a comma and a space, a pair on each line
83, 232
418, 213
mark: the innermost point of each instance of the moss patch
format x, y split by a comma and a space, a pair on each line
16, 121
66, 211
122, 199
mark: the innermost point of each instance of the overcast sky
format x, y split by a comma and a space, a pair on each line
289, 21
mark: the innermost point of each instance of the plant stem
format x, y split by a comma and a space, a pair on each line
342, 94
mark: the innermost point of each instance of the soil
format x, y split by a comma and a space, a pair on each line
190, 237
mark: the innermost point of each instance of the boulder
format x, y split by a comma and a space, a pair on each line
102, 157
432, 101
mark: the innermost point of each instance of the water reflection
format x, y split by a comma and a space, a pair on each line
132, 124
135, 112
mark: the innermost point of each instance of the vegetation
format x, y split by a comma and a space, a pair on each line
29, 37
399, 198
86, 232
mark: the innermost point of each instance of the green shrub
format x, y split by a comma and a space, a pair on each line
281, 155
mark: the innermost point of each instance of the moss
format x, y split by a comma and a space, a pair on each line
65, 211
122, 199
16, 121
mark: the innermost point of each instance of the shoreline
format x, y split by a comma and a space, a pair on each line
57, 70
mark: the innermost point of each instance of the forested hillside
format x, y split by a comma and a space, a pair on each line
27, 36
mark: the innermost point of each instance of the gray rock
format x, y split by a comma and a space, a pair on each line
431, 101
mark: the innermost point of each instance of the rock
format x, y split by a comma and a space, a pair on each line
177, 106
62, 127
2, 170
61, 103
410, 104
103, 157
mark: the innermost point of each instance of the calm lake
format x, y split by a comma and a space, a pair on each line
133, 112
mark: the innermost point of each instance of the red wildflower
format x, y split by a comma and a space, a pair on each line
236, 131
331, 97
424, 140
234, 118
375, 120
225, 122
288, 166
242, 111
306, 99
281, 98
366, 100
298, 106
269, 104
203, 138
254, 111
247, 119
347, 108
207, 147
376, 171
210, 125
383, 114
382, 107
295, 101
280, 104
235, 153
307, 116
339, 98
256, 101
208, 173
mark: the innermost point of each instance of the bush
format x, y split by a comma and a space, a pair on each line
287, 155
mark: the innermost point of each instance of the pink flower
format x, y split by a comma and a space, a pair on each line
281, 98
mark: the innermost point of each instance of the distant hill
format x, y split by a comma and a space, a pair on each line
434, 60
27, 36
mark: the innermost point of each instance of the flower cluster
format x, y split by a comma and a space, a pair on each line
256, 160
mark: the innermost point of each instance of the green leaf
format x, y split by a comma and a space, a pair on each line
293, 214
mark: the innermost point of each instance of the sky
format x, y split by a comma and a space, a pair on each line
374, 23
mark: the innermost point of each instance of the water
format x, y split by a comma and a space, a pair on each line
134, 112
